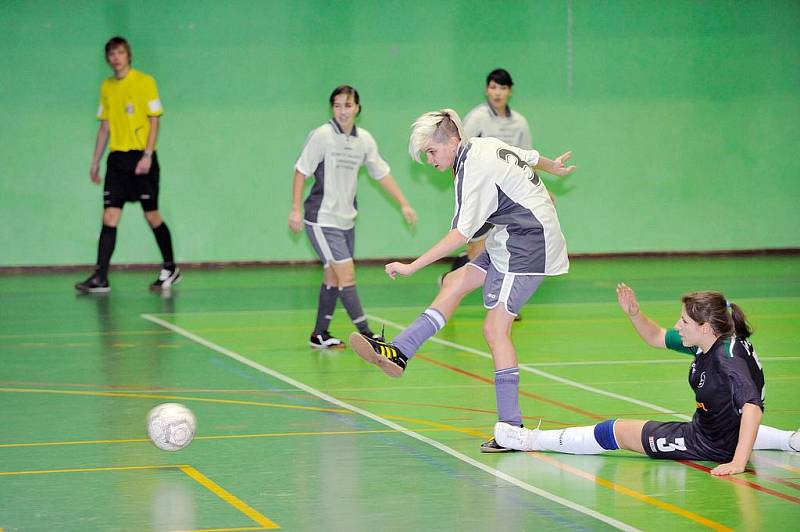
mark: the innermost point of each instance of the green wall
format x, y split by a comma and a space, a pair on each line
684, 117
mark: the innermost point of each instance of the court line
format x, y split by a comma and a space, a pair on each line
632, 493
741, 482
226, 496
544, 374
175, 397
188, 470
383, 421
634, 362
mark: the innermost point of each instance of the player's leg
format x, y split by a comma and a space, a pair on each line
393, 357
147, 193
328, 292
770, 438
592, 439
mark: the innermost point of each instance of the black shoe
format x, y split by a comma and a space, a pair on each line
492, 446
166, 279
373, 336
94, 285
385, 356
324, 340
518, 317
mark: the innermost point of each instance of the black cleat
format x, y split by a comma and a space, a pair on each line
94, 285
385, 356
166, 279
373, 336
492, 446
324, 340
518, 317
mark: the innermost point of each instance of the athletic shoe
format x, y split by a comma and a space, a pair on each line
166, 279
492, 446
94, 285
324, 340
514, 437
385, 356
794, 441
374, 336
518, 317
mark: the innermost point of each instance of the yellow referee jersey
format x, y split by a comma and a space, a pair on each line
127, 104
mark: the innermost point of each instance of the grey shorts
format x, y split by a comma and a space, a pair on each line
511, 289
332, 244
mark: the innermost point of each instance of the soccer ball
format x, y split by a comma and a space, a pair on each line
171, 426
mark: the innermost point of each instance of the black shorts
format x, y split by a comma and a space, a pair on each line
123, 185
676, 440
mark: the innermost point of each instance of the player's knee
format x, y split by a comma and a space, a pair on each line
153, 218
493, 334
111, 217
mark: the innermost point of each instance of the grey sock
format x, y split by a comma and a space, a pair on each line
353, 307
325, 307
426, 325
506, 388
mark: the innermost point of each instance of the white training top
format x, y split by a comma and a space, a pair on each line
334, 158
483, 121
494, 183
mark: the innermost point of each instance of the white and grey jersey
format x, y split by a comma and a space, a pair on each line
334, 158
483, 121
494, 183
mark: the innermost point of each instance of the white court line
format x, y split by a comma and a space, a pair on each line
634, 362
452, 452
544, 374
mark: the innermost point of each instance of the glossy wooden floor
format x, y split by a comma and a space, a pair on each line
298, 439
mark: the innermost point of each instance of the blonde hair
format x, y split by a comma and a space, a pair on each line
438, 126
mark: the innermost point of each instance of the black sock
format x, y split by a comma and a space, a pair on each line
459, 261
164, 240
353, 307
325, 307
105, 248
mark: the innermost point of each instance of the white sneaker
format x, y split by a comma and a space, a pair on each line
794, 441
518, 438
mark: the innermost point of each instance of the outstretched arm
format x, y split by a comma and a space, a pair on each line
451, 242
648, 330
748, 429
389, 184
555, 166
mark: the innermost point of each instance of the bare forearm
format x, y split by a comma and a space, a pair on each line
389, 184
298, 183
748, 429
152, 136
451, 242
100, 142
652, 333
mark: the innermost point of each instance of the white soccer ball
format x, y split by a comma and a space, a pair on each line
171, 426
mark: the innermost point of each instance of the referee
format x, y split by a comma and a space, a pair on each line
129, 114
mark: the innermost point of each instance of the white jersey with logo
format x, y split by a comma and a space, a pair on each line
511, 128
494, 183
333, 158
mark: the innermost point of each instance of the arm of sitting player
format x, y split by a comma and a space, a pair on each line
648, 330
556, 166
748, 429
451, 242
389, 184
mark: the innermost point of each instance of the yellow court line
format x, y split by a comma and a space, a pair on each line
176, 397
633, 493
88, 470
220, 492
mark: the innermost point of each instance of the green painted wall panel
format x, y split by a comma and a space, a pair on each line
683, 117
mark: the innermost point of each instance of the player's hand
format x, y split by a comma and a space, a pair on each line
727, 469
393, 269
561, 169
295, 221
94, 173
627, 300
143, 166
410, 215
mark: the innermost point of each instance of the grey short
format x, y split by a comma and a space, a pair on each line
511, 289
332, 244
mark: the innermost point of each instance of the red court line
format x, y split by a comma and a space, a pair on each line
595, 416
741, 482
